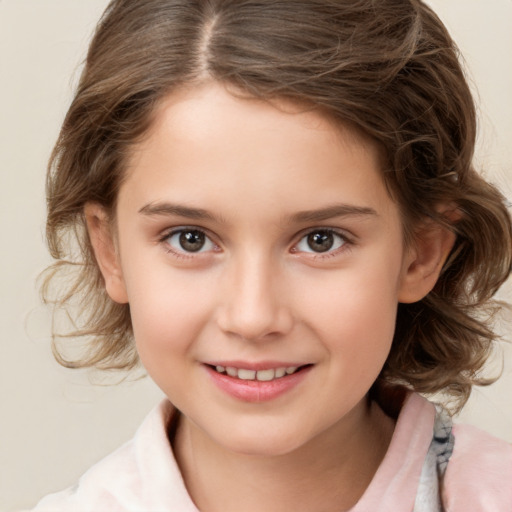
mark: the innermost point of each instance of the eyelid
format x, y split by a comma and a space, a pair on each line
348, 239
168, 233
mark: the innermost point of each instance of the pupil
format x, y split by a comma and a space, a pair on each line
321, 241
192, 241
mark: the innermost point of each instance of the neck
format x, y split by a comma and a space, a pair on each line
329, 473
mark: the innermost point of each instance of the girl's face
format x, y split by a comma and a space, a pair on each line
263, 261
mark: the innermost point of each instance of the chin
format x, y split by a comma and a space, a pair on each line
264, 443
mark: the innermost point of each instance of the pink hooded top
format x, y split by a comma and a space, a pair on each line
143, 476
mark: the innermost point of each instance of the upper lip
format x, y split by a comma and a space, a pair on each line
256, 366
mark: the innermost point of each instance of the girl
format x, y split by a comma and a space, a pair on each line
275, 211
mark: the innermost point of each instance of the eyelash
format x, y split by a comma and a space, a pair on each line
183, 254
346, 242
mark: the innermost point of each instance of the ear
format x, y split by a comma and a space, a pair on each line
424, 261
103, 242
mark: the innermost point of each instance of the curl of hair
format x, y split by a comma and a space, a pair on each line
387, 67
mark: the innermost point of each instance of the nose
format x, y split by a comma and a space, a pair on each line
253, 304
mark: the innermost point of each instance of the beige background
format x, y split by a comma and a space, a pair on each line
54, 423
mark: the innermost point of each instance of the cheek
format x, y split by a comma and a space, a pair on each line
356, 310
163, 336
357, 318
169, 309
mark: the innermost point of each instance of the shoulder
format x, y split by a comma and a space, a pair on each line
479, 474
96, 489
140, 475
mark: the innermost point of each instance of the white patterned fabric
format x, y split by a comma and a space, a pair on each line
428, 497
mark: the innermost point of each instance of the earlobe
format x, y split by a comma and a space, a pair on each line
105, 251
424, 261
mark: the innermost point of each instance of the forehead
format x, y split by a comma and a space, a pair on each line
207, 144
201, 109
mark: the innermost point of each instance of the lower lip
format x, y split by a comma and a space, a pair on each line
255, 390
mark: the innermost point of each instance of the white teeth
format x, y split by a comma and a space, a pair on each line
246, 374
280, 372
232, 372
265, 375
260, 375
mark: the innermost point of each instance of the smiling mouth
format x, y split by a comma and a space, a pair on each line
267, 375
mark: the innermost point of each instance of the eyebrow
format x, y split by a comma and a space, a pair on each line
329, 212
179, 210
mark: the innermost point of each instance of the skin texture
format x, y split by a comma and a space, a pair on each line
258, 293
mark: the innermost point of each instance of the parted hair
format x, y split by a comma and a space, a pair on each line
387, 67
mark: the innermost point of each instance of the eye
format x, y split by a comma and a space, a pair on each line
189, 240
321, 240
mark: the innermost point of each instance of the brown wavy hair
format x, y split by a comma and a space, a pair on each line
387, 67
